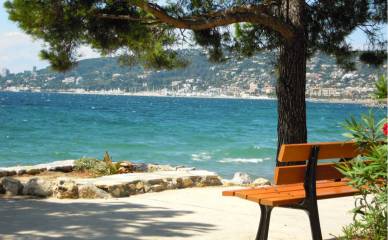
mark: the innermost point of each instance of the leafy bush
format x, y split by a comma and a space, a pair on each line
370, 178
95, 166
381, 88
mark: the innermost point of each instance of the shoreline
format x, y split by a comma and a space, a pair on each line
366, 102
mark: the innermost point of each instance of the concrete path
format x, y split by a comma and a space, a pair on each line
194, 213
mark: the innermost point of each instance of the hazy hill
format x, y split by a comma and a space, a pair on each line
106, 73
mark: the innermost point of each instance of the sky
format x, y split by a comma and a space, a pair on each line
19, 52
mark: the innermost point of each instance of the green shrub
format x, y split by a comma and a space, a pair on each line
95, 166
85, 164
370, 212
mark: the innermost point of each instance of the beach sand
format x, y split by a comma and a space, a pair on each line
193, 213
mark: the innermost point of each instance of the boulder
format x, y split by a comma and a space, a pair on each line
171, 184
187, 182
91, 191
65, 168
33, 171
38, 187
3, 173
155, 181
139, 167
65, 188
156, 167
2, 189
12, 186
210, 181
158, 187
140, 187
261, 182
125, 167
122, 170
178, 182
21, 171
119, 191
241, 178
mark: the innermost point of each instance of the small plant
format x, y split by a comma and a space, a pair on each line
368, 174
97, 167
381, 88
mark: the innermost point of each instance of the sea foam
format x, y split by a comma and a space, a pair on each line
203, 156
243, 160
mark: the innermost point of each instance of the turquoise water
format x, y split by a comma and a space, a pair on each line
221, 135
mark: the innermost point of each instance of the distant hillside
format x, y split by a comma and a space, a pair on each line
200, 75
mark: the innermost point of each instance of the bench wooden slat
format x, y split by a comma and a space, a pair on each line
296, 174
330, 150
286, 189
278, 188
282, 198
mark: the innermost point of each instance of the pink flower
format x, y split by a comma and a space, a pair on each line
385, 129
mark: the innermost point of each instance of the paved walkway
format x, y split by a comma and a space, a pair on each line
194, 213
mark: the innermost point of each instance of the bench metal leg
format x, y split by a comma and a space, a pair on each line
314, 221
262, 233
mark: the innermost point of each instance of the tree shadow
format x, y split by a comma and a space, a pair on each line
34, 219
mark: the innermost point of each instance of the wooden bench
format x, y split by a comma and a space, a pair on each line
299, 186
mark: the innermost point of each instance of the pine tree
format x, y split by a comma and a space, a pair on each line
147, 32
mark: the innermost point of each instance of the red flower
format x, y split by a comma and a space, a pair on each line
385, 129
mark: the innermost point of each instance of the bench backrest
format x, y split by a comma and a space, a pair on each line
302, 152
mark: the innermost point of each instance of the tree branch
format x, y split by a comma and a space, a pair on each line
251, 13
150, 21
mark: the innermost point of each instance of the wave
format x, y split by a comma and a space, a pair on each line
203, 156
243, 160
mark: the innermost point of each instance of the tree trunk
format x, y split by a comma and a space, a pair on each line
291, 84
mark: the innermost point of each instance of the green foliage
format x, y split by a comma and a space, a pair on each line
123, 27
370, 178
367, 132
381, 88
95, 166
375, 58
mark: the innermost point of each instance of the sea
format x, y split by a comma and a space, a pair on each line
220, 135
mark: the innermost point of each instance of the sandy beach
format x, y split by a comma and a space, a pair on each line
193, 213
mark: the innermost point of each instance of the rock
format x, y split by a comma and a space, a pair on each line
132, 188
140, 187
210, 181
171, 184
21, 171
155, 167
178, 182
12, 186
122, 170
65, 188
38, 187
91, 191
241, 178
185, 169
119, 191
139, 167
125, 167
158, 187
68, 168
3, 173
261, 182
125, 164
147, 187
11, 173
227, 183
155, 181
2, 189
187, 182
33, 171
